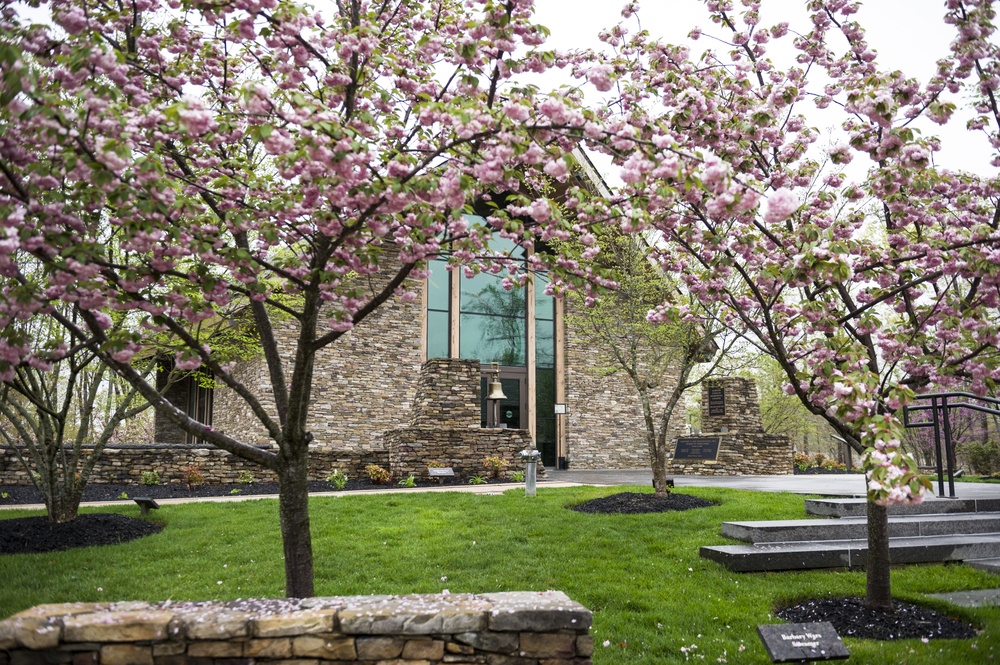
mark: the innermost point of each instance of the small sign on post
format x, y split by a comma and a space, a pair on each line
802, 642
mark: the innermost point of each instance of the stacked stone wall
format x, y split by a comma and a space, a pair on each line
742, 406
448, 393
412, 449
749, 454
364, 383
125, 465
496, 629
446, 426
744, 448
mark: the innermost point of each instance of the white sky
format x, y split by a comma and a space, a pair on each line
909, 35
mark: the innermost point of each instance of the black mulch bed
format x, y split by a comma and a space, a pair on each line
633, 503
35, 535
852, 619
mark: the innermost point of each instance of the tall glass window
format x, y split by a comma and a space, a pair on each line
492, 319
438, 310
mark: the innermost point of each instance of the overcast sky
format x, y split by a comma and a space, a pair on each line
908, 35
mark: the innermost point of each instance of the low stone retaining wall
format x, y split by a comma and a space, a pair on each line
755, 454
522, 628
125, 464
463, 449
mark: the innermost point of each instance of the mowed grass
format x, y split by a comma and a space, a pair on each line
651, 594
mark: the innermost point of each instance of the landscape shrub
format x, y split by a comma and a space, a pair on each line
338, 479
984, 458
193, 476
377, 474
495, 465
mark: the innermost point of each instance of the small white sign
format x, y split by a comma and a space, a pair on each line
561, 409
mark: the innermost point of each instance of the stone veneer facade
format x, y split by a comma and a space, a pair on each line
367, 388
744, 448
604, 427
364, 383
520, 628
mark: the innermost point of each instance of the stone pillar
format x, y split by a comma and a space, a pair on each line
730, 405
448, 394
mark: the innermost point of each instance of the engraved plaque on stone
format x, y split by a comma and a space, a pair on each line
697, 447
802, 642
716, 401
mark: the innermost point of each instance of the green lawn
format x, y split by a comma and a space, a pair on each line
641, 575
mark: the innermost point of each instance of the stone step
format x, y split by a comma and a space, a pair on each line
934, 505
851, 553
851, 528
989, 565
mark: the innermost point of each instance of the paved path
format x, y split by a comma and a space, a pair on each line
826, 484
492, 488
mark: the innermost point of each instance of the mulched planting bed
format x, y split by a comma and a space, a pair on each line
34, 535
632, 503
852, 618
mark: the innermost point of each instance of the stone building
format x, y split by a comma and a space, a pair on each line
368, 385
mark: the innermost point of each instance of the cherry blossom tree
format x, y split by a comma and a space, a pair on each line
863, 268
169, 158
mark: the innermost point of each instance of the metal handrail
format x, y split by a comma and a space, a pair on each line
939, 404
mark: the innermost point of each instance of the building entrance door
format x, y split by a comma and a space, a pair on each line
514, 408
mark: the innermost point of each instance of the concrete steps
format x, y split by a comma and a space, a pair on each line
856, 528
935, 531
932, 506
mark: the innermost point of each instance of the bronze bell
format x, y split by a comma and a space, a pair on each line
496, 390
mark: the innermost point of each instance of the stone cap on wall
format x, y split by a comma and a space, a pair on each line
540, 625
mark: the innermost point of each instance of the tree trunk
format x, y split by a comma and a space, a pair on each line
293, 505
64, 505
660, 472
878, 590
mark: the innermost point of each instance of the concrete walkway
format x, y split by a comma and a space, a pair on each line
492, 488
825, 485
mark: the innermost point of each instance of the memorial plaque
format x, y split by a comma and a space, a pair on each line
697, 447
802, 642
716, 401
